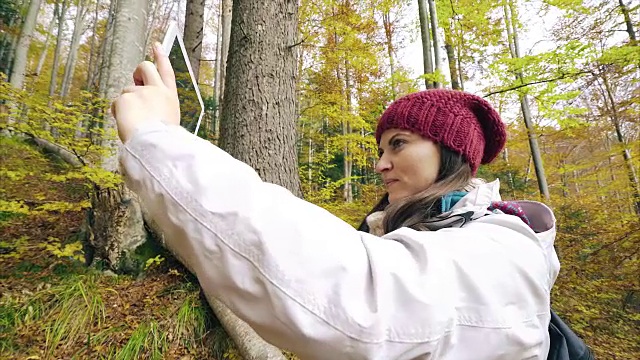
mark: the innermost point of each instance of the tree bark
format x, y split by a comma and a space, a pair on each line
258, 123
346, 131
92, 51
514, 47
249, 344
116, 221
451, 56
226, 17
43, 56
69, 68
433, 15
107, 45
626, 154
426, 42
22, 49
10, 41
193, 32
5, 50
56, 57
388, 32
629, 24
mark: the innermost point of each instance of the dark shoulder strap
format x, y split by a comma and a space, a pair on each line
565, 344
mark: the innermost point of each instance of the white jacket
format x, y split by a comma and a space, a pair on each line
309, 282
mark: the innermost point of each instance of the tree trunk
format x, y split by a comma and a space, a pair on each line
107, 46
388, 32
226, 16
56, 57
346, 131
22, 49
10, 41
193, 32
19, 65
451, 56
426, 42
626, 154
627, 20
5, 48
92, 51
69, 68
433, 15
116, 222
258, 123
249, 344
43, 56
510, 22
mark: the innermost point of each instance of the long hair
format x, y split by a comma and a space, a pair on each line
413, 211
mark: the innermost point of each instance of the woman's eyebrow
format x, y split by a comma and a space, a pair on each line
396, 135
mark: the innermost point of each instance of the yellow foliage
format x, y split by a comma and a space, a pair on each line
73, 250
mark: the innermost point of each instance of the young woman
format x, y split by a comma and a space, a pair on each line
440, 269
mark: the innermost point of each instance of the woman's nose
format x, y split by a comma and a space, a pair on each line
382, 165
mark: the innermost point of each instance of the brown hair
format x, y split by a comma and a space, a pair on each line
413, 211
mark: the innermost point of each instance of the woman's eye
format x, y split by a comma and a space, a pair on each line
397, 143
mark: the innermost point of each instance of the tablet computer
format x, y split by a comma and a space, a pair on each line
191, 104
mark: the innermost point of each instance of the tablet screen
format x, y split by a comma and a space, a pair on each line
190, 108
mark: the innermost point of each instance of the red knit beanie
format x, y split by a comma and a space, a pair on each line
463, 122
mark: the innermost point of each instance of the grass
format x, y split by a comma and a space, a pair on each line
148, 341
54, 307
75, 308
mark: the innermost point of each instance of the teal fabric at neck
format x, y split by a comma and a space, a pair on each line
449, 200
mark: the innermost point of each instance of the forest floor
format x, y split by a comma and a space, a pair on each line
52, 306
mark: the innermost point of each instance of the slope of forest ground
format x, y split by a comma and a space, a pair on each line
53, 306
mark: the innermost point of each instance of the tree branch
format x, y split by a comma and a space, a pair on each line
516, 87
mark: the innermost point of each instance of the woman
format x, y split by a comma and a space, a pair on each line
477, 288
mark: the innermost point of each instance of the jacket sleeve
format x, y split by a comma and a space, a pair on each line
304, 279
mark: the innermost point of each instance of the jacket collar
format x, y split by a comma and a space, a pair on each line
458, 208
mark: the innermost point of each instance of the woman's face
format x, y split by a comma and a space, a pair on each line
408, 163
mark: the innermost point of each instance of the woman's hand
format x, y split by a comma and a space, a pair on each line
153, 97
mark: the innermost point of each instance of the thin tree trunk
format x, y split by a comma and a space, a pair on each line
10, 42
92, 51
216, 80
427, 62
433, 15
346, 131
610, 160
69, 68
629, 24
43, 56
386, 21
512, 185
61, 12
459, 48
510, 22
5, 48
626, 154
451, 56
227, 16
193, 32
107, 46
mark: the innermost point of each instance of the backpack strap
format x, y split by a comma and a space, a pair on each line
565, 344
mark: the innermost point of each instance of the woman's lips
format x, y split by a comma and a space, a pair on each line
388, 183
